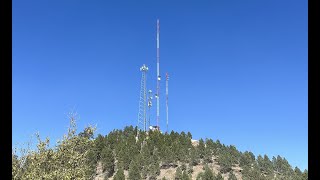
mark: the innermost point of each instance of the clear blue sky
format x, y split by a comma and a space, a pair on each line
238, 69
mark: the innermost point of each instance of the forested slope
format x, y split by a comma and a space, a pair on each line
153, 155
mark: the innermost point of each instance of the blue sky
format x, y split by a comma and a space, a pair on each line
238, 69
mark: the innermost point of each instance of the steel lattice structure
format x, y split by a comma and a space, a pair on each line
142, 115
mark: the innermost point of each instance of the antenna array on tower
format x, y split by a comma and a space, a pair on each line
144, 101
142, 118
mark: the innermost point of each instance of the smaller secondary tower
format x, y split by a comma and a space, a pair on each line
149, 106
167, 93
142, 116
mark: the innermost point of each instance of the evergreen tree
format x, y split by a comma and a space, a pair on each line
92, 160
76, 156
207, 156
267, 165
177, 152
254, 173
134, 171
189, 135
200, 176
144, 172
201, 148
194, 157
218, 146
208, 174
99, 144
225, 162
282, 167
154, 170
107, 160
234, 154
260, 162
246, 159
305, 174
185, 176
190, 169
119, 175
169, 156
183, 167
124, 157
178, 175
219, 177
232, 176
298, 175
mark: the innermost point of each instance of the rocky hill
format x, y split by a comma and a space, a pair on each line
132, 154
154, 155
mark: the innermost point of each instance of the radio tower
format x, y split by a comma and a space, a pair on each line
149, 106
158, 74
167, 86
142, 118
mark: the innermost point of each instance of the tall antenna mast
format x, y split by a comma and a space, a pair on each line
158, 72
142, 117
167, 86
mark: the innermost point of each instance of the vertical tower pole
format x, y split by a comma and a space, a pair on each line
167, 92
149, 106
158, 72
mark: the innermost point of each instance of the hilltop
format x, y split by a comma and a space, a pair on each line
153, 155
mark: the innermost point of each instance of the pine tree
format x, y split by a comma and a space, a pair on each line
252, 173
207, 156
185, 176
154, 170
168, 156
194, 157
246, 159
211, 146
99, 144
190, 168
208, 174
201, 148
305, 174
219, 177
119, 175
260, 162
267, 165
224, 161
189, 135
200, 176
234, 154
124, 157
178, 175
107, 160
134, 171
232, 176
144, 172
183, 167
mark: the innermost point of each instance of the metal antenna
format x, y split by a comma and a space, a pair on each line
149, 106
143, 99
167, 92
158, 73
